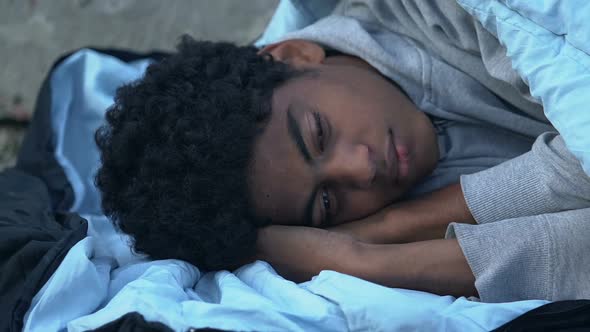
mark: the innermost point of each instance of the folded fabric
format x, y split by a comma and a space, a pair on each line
101, 280
33, 242
292, 15
547, 41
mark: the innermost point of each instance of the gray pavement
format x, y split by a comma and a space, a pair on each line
33, 33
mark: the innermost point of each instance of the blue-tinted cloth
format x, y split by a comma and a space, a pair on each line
82, 88
101, 279
548, 42
292, 15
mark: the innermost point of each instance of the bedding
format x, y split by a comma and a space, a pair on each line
101, 279
547, 41
33, 242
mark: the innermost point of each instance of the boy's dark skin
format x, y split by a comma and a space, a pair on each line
338, 176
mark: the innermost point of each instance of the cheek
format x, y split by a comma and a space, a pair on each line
274, 205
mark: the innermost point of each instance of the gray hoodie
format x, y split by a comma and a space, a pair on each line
530, 240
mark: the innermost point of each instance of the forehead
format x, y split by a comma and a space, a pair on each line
278, 181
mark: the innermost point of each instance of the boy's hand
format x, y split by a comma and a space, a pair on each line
424, 218
299, 253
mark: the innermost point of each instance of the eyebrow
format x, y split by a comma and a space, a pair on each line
294, 131
296, 136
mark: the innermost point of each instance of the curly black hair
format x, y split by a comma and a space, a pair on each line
176, 147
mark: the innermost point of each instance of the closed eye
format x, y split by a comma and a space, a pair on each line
326, 206
326, 199
319, 131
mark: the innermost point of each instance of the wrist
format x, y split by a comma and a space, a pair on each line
427, 217
461, 212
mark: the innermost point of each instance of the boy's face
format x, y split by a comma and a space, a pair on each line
341, 143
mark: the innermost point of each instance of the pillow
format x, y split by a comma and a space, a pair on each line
548, 42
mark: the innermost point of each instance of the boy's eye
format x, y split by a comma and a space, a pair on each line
326, 205
319, 130
326, 200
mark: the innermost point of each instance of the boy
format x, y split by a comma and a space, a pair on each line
331, 126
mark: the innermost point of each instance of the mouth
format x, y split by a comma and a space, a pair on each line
403, 157
397, 158
391, 157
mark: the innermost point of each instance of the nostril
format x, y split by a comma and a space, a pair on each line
369, 177
369, 152
359, 166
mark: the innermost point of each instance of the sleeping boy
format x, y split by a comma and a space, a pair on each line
389, 141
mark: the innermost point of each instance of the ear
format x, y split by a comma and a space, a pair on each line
296, 52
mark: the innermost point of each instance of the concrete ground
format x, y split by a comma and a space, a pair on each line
33, 33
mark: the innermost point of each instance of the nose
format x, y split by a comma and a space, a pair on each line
350, 165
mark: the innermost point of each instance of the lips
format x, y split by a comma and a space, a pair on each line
391, 157
403, 161
397, 159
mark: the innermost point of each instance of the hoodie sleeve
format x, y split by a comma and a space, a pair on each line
546, 179
533, 215
536, 257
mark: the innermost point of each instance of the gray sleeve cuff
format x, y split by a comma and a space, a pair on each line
508, 262
541, 257
546, 179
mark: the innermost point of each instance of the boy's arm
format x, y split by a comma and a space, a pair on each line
299, 253
424, 218
532, 212
546, 179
